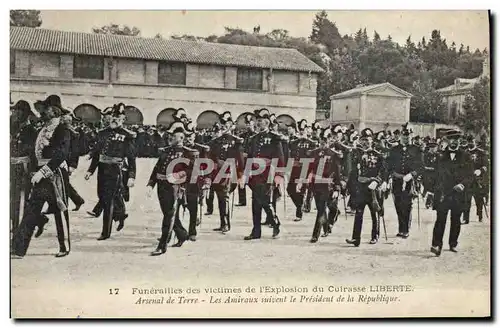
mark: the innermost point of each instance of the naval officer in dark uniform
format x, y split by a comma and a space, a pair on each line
114, 144
265, 145
50, 180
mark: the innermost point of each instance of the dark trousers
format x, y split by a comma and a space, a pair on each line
210, 200
403, 203
74, 196
242, 196
192, 197
261, 200
297, 197
169, 198
97, 208
109, 187
478, 195
41, 193
326, 211
308, 200
365, 199
222, 192
452, 204
126, 189
20, 188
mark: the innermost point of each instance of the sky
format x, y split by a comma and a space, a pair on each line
467, 27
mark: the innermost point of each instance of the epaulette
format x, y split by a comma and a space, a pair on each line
191, 150
204, 147
132, 133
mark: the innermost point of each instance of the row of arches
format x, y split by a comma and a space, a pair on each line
91, 114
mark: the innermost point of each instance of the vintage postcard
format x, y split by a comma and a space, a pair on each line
250, 164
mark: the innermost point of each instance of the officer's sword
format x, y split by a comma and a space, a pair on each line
486, 210
345, 208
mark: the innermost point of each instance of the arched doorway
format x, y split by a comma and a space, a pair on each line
165, 117
133, 115
284, 120
207, 119
88, 113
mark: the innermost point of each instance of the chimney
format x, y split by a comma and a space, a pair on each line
486, 67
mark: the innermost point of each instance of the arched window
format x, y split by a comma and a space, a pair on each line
88, 113
240, 121
133, 115
207, 119
165, 117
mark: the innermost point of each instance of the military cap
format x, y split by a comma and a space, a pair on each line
367, 132
225, 117
117, 110
175, 127
302, 125
262, 113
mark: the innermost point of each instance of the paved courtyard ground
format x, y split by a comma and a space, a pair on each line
109, 278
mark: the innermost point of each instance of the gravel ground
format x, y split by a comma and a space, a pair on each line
79, 284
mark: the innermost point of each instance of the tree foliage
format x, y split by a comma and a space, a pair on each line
28, 18
117, 30
476, 115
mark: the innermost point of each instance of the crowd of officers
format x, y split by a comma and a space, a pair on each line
339, 163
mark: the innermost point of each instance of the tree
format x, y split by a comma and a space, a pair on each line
376, 36
325, 32
278, 35
28, 18
117, 30
427, 106
476, 115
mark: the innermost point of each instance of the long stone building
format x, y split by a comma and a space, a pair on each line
151, 75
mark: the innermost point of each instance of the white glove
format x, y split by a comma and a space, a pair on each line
37, 177
130, 182
343, 184
407, 177
477, 172
335, 195
459, 187
383, 186
149, 191
372, 185
299, 187
88, 175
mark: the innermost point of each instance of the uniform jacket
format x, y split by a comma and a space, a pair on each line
168, 155
118, 143
266, 145
224, 147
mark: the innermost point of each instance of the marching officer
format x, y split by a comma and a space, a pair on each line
266, 146
404, 165
299, 149
250, 123
22, 140
114, 145
368, 174
429, 171
50, 180
479, 184
454, 179
171, 180
326, 166
227, 146
194, 191
216, 132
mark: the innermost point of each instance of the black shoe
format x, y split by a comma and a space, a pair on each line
352, 242
405, 235
158, 251
480, 219
400, 234
307, 209
120, 225
192, 238
179, 243
101, 237
16, 257
62, 253
41, 227
436, 250
373, 241
225, 229
297, 219
241, 204
93, 214
298, 214
77, 206
250, 237
325, 234
217, 229
314, 240
453, 249
208, 213
276, 231
464, 222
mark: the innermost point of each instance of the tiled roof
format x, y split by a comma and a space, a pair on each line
36, 39
367, 88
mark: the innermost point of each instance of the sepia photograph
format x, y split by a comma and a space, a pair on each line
199, 164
